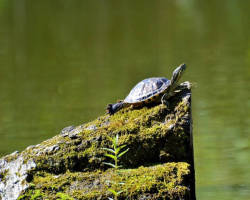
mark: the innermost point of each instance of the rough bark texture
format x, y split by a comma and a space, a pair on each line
158, 165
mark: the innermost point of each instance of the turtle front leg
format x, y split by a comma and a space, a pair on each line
164, 100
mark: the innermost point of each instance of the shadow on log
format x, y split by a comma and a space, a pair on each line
158, 165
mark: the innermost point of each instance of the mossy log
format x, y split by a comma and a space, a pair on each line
158, 165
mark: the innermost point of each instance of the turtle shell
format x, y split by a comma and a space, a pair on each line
146, 89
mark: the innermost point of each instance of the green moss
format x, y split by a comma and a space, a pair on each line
165, 179
63, 196
31, 195
37, 194
162, 181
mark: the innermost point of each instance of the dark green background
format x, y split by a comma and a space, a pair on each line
62, 61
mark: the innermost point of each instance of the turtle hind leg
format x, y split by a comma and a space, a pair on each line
113, 108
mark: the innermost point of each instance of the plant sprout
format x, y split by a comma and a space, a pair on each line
115, 152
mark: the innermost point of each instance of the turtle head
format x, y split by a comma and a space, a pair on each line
178, 73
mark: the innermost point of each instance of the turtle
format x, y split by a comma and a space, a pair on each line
148, 91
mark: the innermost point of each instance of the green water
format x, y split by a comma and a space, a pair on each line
62, 61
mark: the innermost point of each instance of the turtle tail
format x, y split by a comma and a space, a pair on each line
113, 108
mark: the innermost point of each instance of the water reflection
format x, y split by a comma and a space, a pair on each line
62, 61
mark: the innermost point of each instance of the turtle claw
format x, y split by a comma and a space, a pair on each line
109, 109
164, 100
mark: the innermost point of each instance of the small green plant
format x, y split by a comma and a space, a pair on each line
116, 194
115, 154
63, 196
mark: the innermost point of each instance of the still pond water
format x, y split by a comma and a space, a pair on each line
62, 61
